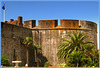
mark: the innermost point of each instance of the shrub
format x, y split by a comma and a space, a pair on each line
61, 65
47, 64
5, 60
75, 58
80, 59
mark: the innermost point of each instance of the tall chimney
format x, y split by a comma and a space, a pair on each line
20, 21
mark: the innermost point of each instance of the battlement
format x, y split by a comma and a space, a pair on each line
69, 23
29, 23
47, 23
88, 25
53, 24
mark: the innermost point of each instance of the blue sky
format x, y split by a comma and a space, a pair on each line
37, 10
47, 10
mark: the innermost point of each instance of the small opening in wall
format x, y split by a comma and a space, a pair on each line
58, 21
36, 22
79, 23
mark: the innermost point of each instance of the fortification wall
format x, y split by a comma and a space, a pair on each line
47, 34
12, 37
49, 40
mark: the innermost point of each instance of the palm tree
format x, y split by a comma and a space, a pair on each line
88, 50
27, 41
75, 59
77, 40
93, 53
36, 48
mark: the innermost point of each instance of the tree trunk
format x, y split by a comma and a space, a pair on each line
37, 58
27, 55
35, 55
65, 58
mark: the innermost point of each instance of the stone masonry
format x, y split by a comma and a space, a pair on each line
47, 35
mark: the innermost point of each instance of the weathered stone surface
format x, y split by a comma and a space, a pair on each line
11, 38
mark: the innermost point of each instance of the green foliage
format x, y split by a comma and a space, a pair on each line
27, 41
47, 64
88, 47
74, 44
77, 52
36, 47
5, 60
61, 65
93, 55
75, 59
84, 58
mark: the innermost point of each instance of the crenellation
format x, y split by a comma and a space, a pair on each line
69, 23
53, 24
47, 23
88, 25
29, 24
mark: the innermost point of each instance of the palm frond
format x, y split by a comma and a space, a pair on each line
83, 38
36, 47
66, 40
27, 41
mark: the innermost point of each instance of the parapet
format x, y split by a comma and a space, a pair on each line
29, 23
88, 25
69, 23
47, 23
53, 24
